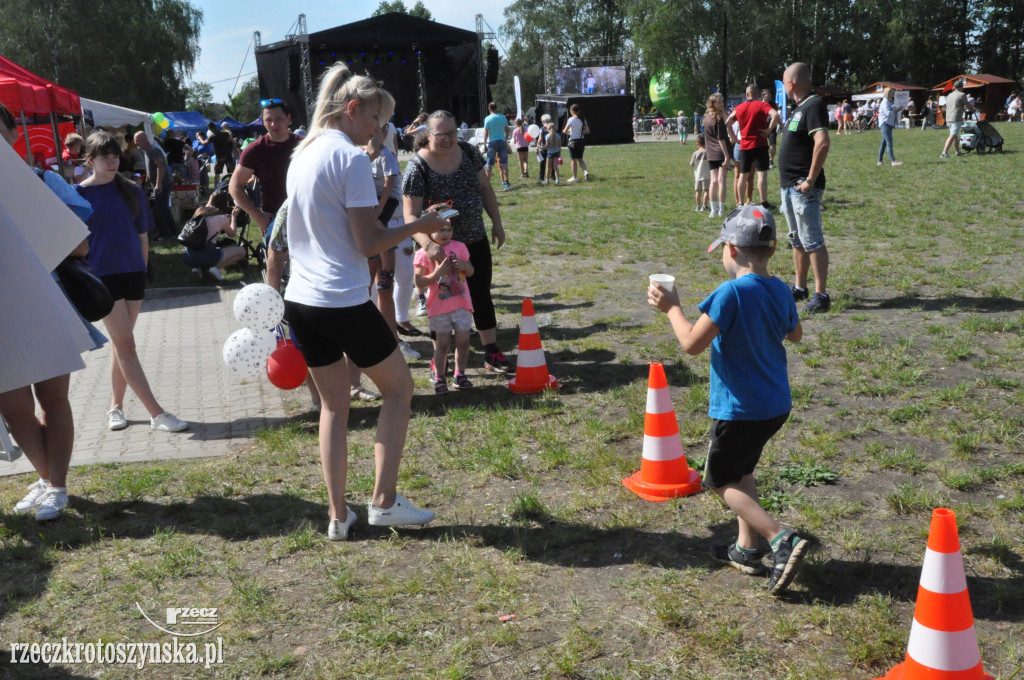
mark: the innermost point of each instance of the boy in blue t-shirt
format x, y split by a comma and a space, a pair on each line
745, 321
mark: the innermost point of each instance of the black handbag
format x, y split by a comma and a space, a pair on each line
84, 288
194, 234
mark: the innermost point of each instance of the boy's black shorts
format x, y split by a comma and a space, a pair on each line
736, 447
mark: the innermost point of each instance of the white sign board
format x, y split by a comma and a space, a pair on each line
902, 99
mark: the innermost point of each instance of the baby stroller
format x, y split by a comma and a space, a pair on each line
980, 135
255, 249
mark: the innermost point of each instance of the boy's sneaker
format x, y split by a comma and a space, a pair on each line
461, 382
33, 499
786, 558
52, 503
748, 563
408, 352
337, 530
798, 293
497, 362
440, 386
167, 422
116, 419
818, 303
421, 307
403, 512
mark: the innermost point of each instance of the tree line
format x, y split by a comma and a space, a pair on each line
726, 44
142, 54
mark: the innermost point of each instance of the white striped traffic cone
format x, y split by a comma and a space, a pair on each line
531, 366
943, 644
664, 472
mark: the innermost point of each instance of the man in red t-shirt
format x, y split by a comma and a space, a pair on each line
757, 119
267, 159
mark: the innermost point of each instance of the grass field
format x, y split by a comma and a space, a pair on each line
907, 397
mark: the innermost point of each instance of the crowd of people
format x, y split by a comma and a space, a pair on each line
356, 235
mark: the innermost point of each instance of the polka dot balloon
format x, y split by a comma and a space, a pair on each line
246, 351
259, 307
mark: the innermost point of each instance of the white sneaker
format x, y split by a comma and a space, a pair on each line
403, 512
215, 273
408, 352
33, 499
338, 530
570, 180
168, 422
421, 307
543, 181
52, 503
586, 175
197, 273
116, 419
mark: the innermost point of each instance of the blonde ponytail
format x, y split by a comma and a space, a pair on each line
338, 87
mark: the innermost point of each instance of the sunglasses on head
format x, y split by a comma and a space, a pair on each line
268, 102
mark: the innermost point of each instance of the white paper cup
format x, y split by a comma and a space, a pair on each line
666, 281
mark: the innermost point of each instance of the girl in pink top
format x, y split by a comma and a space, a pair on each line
522, 146
449, 307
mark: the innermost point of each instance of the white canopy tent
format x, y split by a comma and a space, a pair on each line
109, 115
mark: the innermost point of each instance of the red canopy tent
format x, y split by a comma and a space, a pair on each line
26, 94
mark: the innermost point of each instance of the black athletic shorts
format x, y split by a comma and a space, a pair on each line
735, 448
576, 149
323, 334
130, 286
756, 158
715, 165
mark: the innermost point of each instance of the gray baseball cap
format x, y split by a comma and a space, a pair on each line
747, 225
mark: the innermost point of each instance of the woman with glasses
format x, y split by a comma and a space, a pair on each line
118, 253
332, 230
446, 170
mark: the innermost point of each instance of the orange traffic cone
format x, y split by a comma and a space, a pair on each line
664, 472
943, 644
531, 366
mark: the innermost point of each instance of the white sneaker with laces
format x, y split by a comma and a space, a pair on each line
116, 419
215, 273
52, 504
408, 352
401, 513
33, 499
168, 422
421, 307
338, 530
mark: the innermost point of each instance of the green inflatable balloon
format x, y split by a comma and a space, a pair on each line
669, 96
158, 118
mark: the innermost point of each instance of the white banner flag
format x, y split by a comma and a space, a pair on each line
519, 98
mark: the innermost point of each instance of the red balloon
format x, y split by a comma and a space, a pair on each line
286, 367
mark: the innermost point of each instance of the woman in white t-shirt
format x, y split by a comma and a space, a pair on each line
575, 128
332, 229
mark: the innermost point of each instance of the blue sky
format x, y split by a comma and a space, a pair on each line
228, 26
